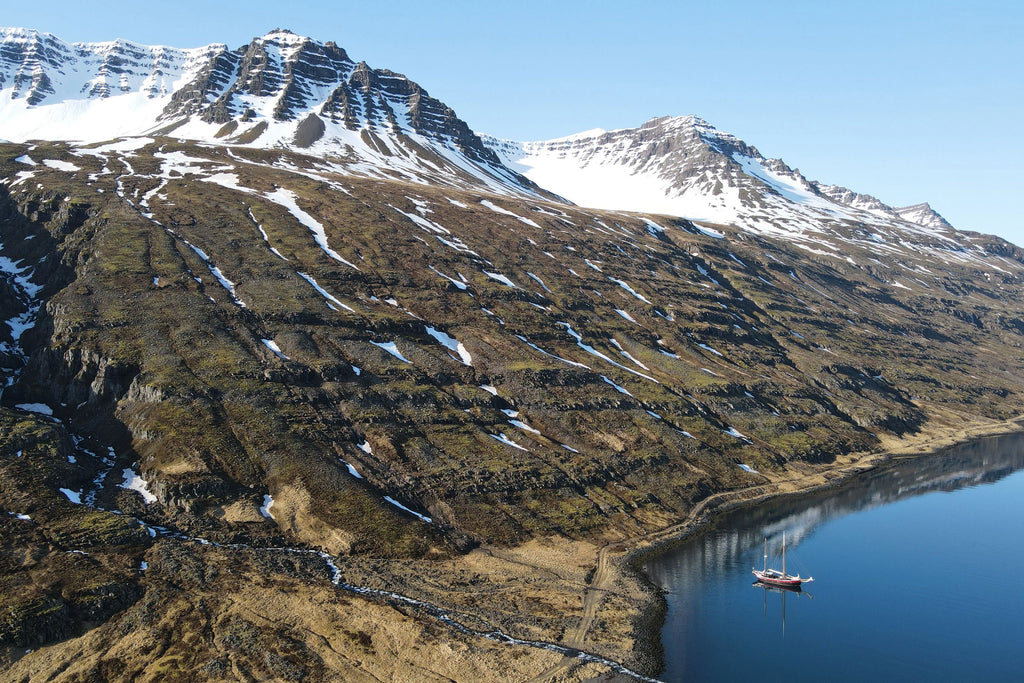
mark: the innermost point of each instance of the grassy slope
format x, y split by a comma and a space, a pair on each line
146, 351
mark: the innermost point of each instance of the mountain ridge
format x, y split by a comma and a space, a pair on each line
286, 90
280, 90
663, 165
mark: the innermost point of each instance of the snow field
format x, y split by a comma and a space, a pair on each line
394, 502
501, 278
288, 200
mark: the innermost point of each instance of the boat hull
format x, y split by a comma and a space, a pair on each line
781, 581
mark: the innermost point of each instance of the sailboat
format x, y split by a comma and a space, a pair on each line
774, 577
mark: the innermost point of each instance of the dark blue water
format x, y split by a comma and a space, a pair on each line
918, 577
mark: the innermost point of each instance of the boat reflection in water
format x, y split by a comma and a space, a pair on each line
781, 591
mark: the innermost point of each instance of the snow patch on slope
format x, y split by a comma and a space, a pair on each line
452, 344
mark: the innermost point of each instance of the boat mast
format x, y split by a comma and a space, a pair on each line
783, 554
765, 553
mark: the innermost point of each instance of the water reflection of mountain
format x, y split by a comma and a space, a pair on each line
735, 532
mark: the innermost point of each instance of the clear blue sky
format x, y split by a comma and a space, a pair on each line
907, 100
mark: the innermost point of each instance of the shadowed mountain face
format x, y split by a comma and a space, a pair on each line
338, 321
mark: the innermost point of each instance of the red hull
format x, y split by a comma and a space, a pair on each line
784, 583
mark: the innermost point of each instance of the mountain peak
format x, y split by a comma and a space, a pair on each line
923, 214
675, 122
16, 34
686, 167
284, 36
286, 90
279, 90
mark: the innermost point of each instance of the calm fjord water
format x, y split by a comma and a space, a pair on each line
919, 575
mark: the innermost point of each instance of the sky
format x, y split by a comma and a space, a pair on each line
906, 100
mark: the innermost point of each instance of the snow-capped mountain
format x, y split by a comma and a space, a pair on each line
284, 91
923, 214
50, 89
683, 166
279, 91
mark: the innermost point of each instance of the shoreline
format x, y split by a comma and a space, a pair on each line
631, 554
506, 605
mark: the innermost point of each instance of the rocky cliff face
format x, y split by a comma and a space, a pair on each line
288, 76
280, 90
41, 69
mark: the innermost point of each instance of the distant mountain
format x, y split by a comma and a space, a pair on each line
288, 91
683, 166
923, 214
279, 91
